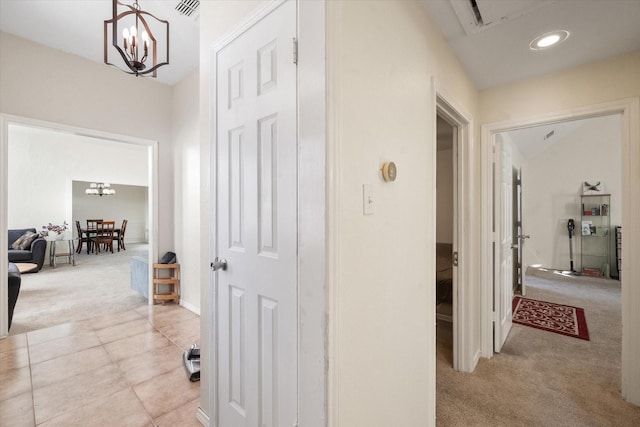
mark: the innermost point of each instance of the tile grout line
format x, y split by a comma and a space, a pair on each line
33, 398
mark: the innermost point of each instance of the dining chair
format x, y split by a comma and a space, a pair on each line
120, 236
104, 235
81, 238
91, 223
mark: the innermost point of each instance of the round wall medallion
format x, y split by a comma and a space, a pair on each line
389, 171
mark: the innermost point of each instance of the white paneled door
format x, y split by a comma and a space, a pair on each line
504, 241
256, 224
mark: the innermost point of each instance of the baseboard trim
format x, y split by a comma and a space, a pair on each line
476, 359
190, 307
202, 417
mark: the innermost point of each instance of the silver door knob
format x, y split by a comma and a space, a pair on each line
219, 264
524, 236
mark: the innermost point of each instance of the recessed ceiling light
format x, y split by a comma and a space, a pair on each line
547, 40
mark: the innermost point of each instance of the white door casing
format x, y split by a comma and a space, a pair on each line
466, 355
504, 240
256, 224
521, 237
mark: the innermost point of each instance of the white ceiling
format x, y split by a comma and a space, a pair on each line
77, 27
493, 54
498, 53
534, 141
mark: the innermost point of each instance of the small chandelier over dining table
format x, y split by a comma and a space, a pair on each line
138, 43
100, 189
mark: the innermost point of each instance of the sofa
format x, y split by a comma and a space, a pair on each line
34, 253
14, 289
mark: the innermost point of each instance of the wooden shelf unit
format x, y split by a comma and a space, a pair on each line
168, 275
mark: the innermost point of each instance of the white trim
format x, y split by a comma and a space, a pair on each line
4, 192
464, 305
630, 110
334, 101
245, 25
312, 220
190, 307
202, 417
5, 121
209, 372
312, 377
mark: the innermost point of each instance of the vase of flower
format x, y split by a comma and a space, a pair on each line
53, 236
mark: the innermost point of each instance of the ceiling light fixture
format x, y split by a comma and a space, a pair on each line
547, 40
135, 28
100, 189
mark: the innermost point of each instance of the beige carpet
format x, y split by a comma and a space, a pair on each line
541, 378
98, 284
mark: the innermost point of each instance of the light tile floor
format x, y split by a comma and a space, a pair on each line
121, 369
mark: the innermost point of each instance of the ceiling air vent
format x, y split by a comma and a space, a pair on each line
476, 12
187, 7
479, 15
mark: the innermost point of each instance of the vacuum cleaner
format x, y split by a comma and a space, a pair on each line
571, 226
191, 360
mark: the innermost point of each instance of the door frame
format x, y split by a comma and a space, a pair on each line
152, 156
465, 352
629, 108
518, 231
312, 240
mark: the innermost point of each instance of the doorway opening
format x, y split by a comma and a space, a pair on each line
445, 234
65, 190
464, 296
628, 108
556, 159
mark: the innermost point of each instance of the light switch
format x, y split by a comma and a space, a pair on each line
367, 200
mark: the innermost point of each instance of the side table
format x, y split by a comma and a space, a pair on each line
53, 254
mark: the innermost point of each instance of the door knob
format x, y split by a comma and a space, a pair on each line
524, 236
219, 264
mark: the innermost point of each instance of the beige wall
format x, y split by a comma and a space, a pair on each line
186, 187
574, 88
41, 83
37, 82
384, 55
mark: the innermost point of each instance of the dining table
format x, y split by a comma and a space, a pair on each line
88, 231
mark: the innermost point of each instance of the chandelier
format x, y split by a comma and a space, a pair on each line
100, 189
137, 44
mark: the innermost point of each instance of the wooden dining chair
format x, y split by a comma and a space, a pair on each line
120, 236
92, 224
104, 235
81, 238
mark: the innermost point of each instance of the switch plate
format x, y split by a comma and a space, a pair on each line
367, 199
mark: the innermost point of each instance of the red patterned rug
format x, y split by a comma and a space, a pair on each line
558, 318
